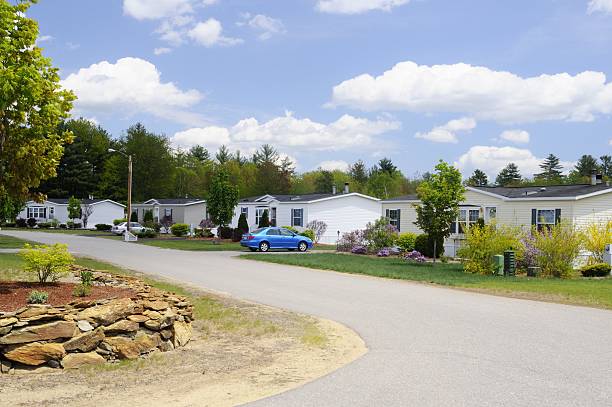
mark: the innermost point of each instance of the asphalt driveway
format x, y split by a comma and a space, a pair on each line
429, 346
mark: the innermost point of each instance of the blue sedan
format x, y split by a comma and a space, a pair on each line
264, 239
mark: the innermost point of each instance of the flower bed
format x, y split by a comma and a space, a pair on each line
94, 331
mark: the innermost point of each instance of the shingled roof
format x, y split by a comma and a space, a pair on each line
548, 191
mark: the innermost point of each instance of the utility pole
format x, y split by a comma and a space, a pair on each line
129, 189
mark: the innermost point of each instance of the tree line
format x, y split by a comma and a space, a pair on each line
89, 167
551, 173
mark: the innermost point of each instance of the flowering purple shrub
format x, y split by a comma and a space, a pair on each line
415, 256
350, 240
380, 234
359, 250
531, 253
385, 252
207, 224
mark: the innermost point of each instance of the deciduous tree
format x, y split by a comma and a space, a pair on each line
222, 198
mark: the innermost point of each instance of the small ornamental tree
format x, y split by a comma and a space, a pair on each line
318, 227
243, 224
74, 208
86, 214
148, 217
440, 196
222, 198
264, 221
134, 217
48, 262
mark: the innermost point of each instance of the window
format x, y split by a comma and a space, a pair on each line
168, 214
467, 218
273, 216
545, 218
37, 212
51, 213
394, 217
245, 210
272, 232
259, 214
490, 214
285, 232
297, 217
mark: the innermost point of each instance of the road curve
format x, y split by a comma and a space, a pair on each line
429, 346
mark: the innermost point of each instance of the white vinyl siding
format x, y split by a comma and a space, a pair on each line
407, 215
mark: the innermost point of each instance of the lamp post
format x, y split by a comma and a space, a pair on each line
129, 191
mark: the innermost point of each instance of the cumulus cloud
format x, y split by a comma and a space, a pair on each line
210, 33
333, 165
44, 38
265, 25
130, 86
447, 133
357, 6
602, 6
515, 136
480, 92
491, 160
158, 9
162, 51
289, 132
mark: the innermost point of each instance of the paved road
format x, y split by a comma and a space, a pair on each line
428, 346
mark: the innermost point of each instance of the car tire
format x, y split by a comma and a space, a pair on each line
302, 246
264, 247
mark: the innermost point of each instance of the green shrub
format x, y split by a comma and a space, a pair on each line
150, 234
406, 241
21, 223
309, 234
243, 224
264, 221
73, 225
48, 262
424, 245
291, 229
102, 227
380, 234
54, 223
119, 221
225, 232
596, 236
148, 216
134, 217
81, 290
44, 225
86, 277
31, 222
557, 249
237, 235
179, 229
37, 297
483, 242
595, 270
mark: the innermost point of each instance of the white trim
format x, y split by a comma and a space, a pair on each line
390, 202
46, 202
550, 198
330, 198
156, 203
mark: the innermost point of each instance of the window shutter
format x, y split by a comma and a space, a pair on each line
399, 219
557, 216
292, 217
534, 217
387, 214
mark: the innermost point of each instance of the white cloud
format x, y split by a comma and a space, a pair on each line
267, 26
515, 136
162, 51
357, 6
333, 165
158, 9
44, 38
289, 132
447, 133
491, 160
130, 86
210, 33
479, 92
603, 6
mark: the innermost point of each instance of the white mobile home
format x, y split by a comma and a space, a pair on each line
173, 210
103, 211
341, 212
515, 206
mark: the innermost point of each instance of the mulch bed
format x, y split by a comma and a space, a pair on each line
14, 294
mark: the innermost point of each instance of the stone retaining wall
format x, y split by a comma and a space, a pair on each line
85, 332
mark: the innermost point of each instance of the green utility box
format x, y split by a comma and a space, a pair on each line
509, 263
498, 264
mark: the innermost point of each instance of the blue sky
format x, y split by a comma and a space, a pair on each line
477, 83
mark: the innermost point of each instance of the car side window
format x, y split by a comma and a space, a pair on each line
272, 232
285, 232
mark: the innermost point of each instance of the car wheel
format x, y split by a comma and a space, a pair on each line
264, 247
303, 246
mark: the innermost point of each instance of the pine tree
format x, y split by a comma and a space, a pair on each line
264, 221
510, 175
586, 165
358, 172
243, 224
478, 179
324, 182
551, 169
606, 165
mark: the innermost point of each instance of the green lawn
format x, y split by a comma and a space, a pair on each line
9, 242
579, 291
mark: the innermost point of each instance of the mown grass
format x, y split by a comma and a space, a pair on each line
580, 291
10, 242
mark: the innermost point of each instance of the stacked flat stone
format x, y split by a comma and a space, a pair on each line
43, 337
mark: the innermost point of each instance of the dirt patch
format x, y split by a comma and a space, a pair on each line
241, 352
14, 294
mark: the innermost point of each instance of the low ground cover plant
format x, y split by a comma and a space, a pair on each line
49, 263
38, 297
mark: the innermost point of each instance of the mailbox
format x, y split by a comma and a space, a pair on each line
608, 254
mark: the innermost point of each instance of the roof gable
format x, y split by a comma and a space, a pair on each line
549, 192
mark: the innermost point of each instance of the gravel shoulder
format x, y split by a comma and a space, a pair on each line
259, 352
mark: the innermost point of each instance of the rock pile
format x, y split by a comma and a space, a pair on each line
94, 332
